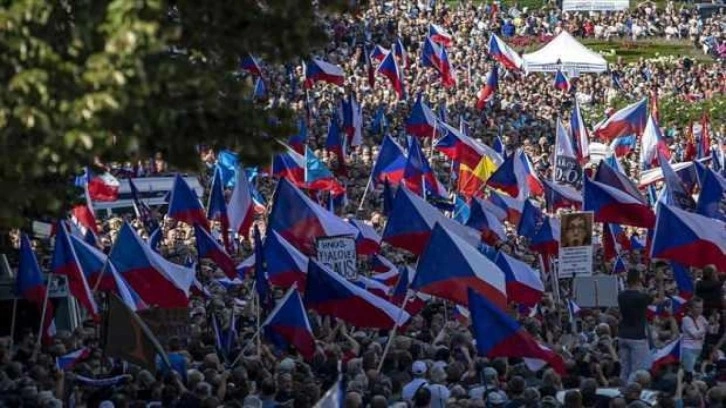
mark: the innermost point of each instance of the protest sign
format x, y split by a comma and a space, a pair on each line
339, 254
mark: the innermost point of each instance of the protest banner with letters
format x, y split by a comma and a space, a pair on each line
339, 254
575, 245
568, 171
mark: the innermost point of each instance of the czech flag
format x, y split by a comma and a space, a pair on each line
498, 335
623, 145
516, 177
184, 205
251, 65
712, 199
511, 206
652, 143
447, 71
329, 294
301, 221
390, 163
666, 355
66, 263
379, 53
449, 266
288, 324
524, 285
95, 265
458, 146
431, 54
422, 122
492, 230
561, 81
389, 69
319, 70
368, 241
611, 204
609, 176
580, 135
418, 175
489, 89
157, 281
503, 54
66, 362
241, 208
413, 219
29, 284
699, 240
207, 247
286, 265
627, 121
561, 196
289, 165
439, 35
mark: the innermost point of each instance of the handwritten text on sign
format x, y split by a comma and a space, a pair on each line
339, 254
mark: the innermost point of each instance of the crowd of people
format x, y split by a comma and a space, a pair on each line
432, 361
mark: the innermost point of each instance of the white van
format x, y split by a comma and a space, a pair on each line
152, 191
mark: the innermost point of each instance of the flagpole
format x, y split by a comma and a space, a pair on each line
100, 275
259, 339
392, 334
42, 313
365, 193
12, 323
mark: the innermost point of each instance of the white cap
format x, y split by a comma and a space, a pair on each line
418, 367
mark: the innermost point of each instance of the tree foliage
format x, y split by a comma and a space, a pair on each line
123, 79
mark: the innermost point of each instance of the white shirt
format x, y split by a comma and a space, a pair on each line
439, 395
694, 332
409, 390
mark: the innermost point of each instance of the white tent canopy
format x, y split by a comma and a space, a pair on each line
566, 53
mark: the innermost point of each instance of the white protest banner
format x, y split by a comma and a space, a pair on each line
339, 254
595, 5
575, 245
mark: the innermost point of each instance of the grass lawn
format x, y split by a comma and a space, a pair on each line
630, 51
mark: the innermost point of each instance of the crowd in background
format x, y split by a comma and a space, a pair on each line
432, 361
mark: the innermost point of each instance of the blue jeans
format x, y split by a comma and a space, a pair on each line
634, 355
689, 357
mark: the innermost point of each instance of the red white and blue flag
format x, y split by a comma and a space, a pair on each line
627, 121
449, 266
439, 35
502, 53
700, 240
317, 70
498, 335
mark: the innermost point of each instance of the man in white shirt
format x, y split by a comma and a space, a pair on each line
418, 369
439, 393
